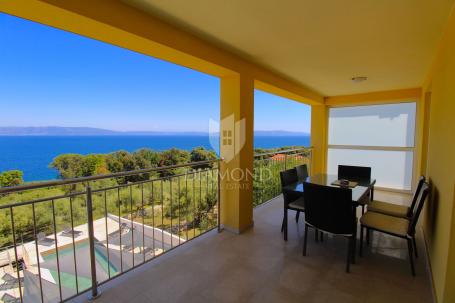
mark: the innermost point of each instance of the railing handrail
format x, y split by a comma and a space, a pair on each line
12, 189
94, 191
40, 200
128, 217
283, 151
6, 190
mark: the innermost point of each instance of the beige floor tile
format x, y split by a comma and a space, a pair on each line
258, 266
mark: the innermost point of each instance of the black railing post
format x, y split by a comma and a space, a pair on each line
91, 240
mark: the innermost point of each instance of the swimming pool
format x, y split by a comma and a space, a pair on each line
66, 262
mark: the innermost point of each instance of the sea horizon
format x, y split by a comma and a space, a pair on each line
57, 131
33, 154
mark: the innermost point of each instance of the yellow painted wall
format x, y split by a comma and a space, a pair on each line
425, 131
319, 123
439, 223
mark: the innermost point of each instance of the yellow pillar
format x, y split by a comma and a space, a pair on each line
319, 123
236, 146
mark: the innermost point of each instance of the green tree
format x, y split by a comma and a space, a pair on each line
151, 156
11, 178
68, 165
173, 156
94, 165
114, 163
124, 161
199, 154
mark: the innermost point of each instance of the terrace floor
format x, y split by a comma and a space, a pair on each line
258, 266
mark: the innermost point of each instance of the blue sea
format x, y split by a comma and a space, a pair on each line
33, 154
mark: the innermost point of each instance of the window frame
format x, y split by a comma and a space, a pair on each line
412, 149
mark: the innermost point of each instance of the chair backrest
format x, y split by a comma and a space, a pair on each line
420, 202
288, 177
329, 208
416, 195
302, 172
354, 173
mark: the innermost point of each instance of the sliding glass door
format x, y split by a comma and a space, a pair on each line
379, 136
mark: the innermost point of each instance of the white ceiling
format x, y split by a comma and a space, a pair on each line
320, 43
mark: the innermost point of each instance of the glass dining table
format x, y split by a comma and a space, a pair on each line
360, 192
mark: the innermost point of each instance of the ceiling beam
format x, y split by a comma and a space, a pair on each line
382, 97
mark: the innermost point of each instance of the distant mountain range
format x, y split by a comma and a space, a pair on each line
90, 131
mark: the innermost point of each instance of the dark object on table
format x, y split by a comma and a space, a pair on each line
345, 183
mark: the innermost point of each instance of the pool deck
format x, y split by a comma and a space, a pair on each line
106, 229
111, 222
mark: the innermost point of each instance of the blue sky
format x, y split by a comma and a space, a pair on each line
49, 77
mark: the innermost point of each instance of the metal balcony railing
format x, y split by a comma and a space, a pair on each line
267, 167
61, 238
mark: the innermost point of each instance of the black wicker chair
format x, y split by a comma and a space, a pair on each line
292, 200
302, 172
330, 210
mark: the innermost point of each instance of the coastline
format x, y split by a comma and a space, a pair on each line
33, 154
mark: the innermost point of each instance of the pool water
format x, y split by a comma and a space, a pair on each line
68, 279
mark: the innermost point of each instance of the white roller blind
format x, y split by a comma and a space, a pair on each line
391, 169
376, 125
378, 136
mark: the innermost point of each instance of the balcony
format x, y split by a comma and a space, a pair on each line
317, 53
158, 238
118, 222
258, 266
